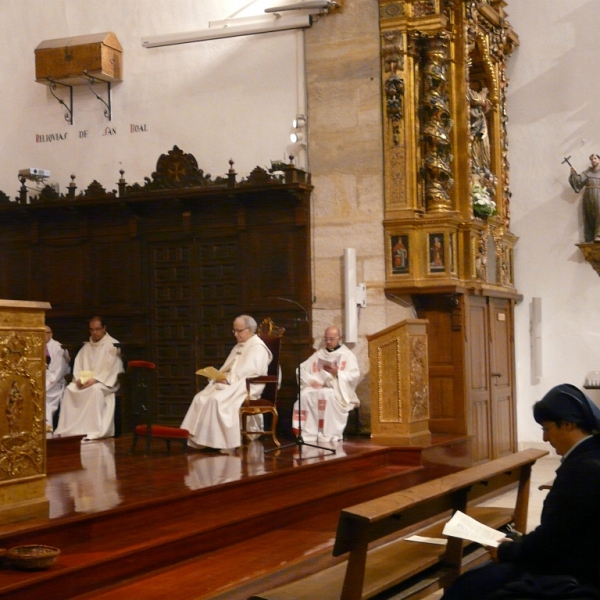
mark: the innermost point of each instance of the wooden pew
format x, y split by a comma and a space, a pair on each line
379, 558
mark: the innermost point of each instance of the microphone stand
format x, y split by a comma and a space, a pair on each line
299, 440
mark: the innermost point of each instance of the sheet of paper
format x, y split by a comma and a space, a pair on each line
465, 527
426, 540
212, 373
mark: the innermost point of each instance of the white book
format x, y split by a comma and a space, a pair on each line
321, 362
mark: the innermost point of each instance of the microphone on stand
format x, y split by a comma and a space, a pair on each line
296, 303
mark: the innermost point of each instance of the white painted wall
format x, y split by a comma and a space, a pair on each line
553, 113
232, 98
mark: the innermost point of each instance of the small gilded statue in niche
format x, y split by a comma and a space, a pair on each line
480, 139
590, 180
483, 180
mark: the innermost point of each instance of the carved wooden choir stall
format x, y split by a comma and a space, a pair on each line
168, 264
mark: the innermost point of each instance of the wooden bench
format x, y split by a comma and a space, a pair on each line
379, 558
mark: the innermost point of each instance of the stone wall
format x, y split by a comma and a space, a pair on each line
345, 157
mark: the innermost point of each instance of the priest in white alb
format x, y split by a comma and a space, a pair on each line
88, 404
328, 381
213, 417
57, 366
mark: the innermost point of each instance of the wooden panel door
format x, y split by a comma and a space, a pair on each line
478, 381
502, 377
446, 359
471, 370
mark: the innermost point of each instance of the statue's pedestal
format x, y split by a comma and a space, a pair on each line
591, 252
399, 382
22, 411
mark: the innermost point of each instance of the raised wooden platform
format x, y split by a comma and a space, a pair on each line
207, 525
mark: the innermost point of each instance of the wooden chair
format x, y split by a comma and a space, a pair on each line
141, 385
271, 335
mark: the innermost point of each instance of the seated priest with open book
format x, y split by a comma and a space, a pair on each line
88, 404
328, 381
213, 417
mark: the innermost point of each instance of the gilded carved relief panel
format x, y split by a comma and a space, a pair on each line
419, 378
22, 422
389, 382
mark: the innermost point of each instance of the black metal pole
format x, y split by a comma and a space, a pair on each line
299, 441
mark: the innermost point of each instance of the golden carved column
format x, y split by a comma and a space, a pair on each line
437, 124
400, 382
23, 413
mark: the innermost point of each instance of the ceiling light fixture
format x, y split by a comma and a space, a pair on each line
230, 28
315, 7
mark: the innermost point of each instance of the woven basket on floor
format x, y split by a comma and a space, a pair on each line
33, 557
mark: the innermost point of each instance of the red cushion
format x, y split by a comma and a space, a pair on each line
163, 431
144, 364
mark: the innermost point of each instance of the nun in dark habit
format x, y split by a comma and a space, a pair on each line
562, 555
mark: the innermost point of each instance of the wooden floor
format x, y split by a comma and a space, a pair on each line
203, 525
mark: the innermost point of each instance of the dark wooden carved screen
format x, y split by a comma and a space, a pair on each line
169, 264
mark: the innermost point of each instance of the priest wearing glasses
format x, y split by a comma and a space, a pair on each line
213, 417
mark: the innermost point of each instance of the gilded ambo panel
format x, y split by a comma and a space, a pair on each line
388, 366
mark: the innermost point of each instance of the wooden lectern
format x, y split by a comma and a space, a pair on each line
23, 413
399, 382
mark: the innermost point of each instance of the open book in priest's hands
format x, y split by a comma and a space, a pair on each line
465, 527
321, 363
212, 373
85, 376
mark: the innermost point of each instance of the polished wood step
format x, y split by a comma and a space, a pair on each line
297, 502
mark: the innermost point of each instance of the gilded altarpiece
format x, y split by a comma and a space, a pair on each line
446, 167
447, 197
23, 417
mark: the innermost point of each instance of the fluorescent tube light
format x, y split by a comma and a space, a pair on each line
315, 6
276, 24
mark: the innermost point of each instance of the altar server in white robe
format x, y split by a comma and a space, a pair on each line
213, 417
328, 381
57, 359
88, 405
